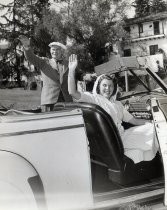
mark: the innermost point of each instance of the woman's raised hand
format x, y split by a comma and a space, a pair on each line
73, 62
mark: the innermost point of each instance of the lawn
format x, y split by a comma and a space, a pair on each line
20, 99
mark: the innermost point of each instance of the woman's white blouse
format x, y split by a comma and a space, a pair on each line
140, 143
114, 108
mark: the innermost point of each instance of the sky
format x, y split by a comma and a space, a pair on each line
5, 1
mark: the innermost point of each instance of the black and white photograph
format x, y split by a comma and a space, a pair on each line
83, 104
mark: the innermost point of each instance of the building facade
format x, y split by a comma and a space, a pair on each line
147, 35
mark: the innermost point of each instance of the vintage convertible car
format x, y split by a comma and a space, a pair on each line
73, 157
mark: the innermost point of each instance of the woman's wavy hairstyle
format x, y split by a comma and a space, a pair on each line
108, 77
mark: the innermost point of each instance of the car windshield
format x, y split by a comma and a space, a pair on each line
136, 81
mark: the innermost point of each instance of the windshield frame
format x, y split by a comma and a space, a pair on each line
147, 90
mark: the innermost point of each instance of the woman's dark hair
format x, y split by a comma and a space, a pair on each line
108, 77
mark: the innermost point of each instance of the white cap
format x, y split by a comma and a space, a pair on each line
52, 44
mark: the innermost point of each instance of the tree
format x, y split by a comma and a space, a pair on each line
20, 17
147, 7
158, 6
89, 24
142, 7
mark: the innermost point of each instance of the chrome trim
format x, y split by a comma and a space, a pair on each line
37, 117
41, 130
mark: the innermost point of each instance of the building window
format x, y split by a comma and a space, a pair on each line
140, 28
153, 49
127, 28
127, 52
156, 28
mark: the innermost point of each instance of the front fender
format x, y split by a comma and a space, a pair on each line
20, 185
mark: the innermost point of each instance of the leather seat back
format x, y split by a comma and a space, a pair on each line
104, 139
